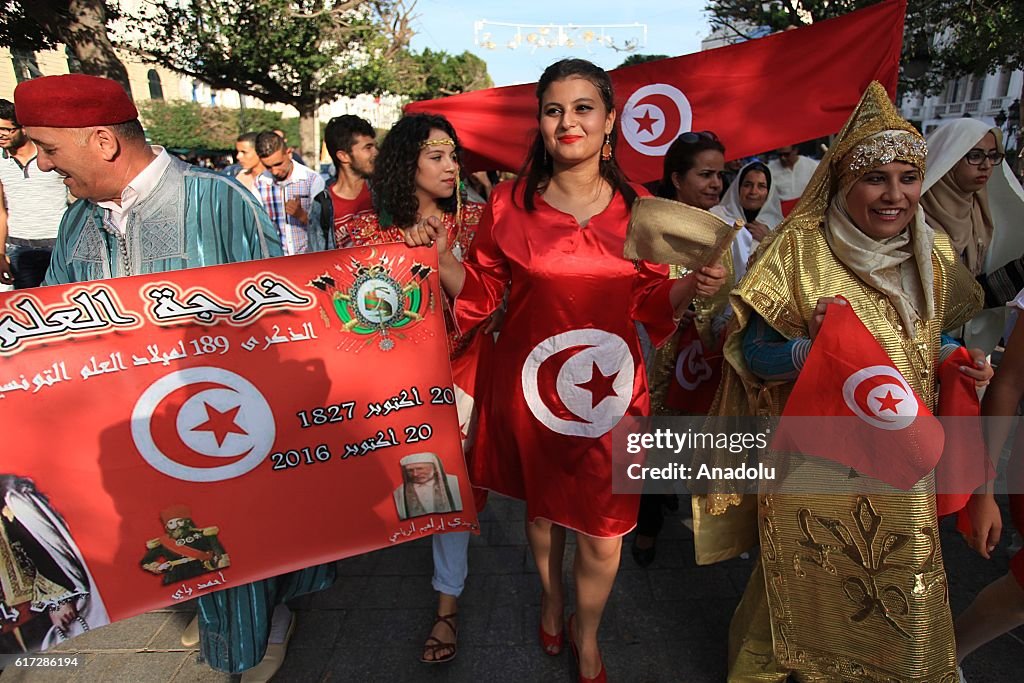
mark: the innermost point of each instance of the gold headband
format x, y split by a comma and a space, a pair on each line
434, 143
884, 148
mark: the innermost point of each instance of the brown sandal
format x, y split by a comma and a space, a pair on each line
433, 643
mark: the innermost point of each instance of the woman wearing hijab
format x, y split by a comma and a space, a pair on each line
971, 196
850, 584
753, 200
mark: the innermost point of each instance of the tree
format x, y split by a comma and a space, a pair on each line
181, 124
432, 74
640, 59
298, 52
943, 39
81, 25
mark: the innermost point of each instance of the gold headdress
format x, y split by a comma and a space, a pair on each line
875, 134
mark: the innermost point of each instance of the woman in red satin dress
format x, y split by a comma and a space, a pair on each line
568, 364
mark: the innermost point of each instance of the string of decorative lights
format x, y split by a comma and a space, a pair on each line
490, 35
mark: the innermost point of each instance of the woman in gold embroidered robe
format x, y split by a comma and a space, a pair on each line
850, 585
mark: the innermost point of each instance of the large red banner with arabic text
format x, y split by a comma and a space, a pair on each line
756, 95
174, 434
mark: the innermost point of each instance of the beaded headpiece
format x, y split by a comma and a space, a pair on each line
885, 148
437, 142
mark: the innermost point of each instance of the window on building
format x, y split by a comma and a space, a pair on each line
156, 90
961, 89
977, 87
74, 65
25, 65
1003, 89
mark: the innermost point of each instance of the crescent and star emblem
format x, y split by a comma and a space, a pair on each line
880, 396
579, 383
692, 369
653, 118
203, 424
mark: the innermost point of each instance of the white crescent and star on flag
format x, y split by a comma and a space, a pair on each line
692, 369
881, 397
654, 116
594, 374
223, 430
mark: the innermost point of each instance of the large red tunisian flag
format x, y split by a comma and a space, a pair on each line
756, 96
865, 414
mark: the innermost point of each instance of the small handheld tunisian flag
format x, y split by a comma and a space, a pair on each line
866, 414
803, 84
698, 372
964, 465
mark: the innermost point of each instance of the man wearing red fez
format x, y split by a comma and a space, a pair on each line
142, 211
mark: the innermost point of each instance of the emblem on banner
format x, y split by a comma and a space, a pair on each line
579, 382
880, 396
653, 118
692, 368
381, 301
203, 424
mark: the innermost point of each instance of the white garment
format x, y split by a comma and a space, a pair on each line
137, 189
790, 182
947, 144
426, 497
50, 531
36, 200
730, 210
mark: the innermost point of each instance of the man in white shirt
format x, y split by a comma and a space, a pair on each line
32, 203
294, 197
791, 172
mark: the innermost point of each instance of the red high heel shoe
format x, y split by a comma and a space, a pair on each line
551, 644
602, 675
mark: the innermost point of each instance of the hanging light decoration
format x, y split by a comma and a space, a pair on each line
490, 35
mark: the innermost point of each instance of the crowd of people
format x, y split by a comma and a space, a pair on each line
914, 234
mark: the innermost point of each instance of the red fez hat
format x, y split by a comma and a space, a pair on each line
72, 101
175, 512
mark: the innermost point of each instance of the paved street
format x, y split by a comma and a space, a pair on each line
666, 623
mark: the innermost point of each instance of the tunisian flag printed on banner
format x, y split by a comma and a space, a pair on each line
174, 434
756, 96
698, 371
866, 414
964, 465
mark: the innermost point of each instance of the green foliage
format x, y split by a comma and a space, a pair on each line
297, 52
432, 74
943, 39
18, 31
640, 59
188, 125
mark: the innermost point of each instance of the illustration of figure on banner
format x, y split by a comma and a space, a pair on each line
185, 551
47, 594
425, 488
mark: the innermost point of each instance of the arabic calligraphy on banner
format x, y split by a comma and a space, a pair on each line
175, 434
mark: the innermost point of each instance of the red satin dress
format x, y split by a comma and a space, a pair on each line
567, 364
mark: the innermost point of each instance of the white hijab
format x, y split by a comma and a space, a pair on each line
947, 144
730, 210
